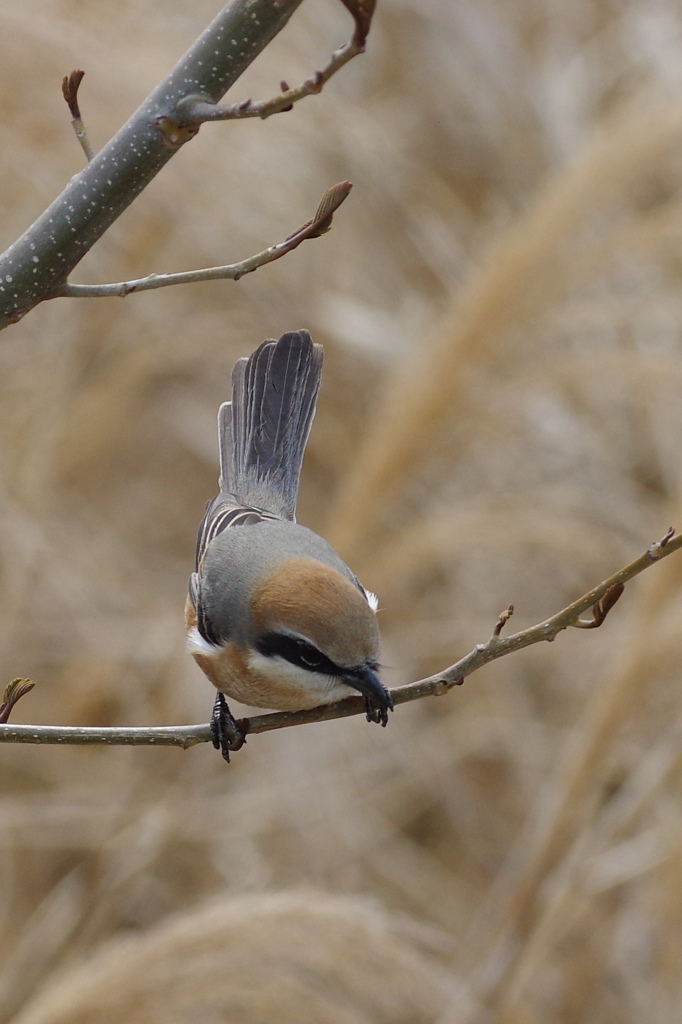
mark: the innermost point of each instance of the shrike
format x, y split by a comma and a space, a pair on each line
274, 617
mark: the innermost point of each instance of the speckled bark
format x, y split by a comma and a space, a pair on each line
35, 266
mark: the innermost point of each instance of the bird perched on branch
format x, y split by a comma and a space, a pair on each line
274, 617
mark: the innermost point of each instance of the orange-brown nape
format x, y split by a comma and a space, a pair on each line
308, 597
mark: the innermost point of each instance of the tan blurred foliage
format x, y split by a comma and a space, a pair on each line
500, 421
287, 957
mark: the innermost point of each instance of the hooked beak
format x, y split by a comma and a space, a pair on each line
377, 698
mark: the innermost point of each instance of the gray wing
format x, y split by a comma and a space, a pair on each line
224, 512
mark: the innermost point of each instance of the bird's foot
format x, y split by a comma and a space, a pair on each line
378, 712
226, 733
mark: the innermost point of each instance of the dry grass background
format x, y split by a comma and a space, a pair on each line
500, 421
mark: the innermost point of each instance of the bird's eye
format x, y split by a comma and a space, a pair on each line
309, 655
297, 651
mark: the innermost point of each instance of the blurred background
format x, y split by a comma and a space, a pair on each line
500, 422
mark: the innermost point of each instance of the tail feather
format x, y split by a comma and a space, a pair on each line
226, 480
264, 430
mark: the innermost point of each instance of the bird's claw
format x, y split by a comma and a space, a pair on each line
379, 712
226, 733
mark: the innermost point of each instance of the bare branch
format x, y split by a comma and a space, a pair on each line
162, 736
548, 630
70, 86
36, 266
196, 110
433, 686
321, 222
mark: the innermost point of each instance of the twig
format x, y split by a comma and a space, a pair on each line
497, 647
161, 736
504, 618
196, 110
36, 266
321, 222
70, 86
548, 630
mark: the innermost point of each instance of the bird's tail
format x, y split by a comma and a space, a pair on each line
264, 429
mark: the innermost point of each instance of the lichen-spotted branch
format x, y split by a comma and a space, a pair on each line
37, 266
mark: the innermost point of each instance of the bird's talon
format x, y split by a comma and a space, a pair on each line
378, 713
226, 734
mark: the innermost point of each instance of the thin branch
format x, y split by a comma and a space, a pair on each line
162, 736
36, 265
321, 222
196, 110
436, 685
498, 646
70, 86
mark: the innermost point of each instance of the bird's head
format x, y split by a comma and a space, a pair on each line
310, 616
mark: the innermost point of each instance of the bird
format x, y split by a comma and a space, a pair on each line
274, 617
